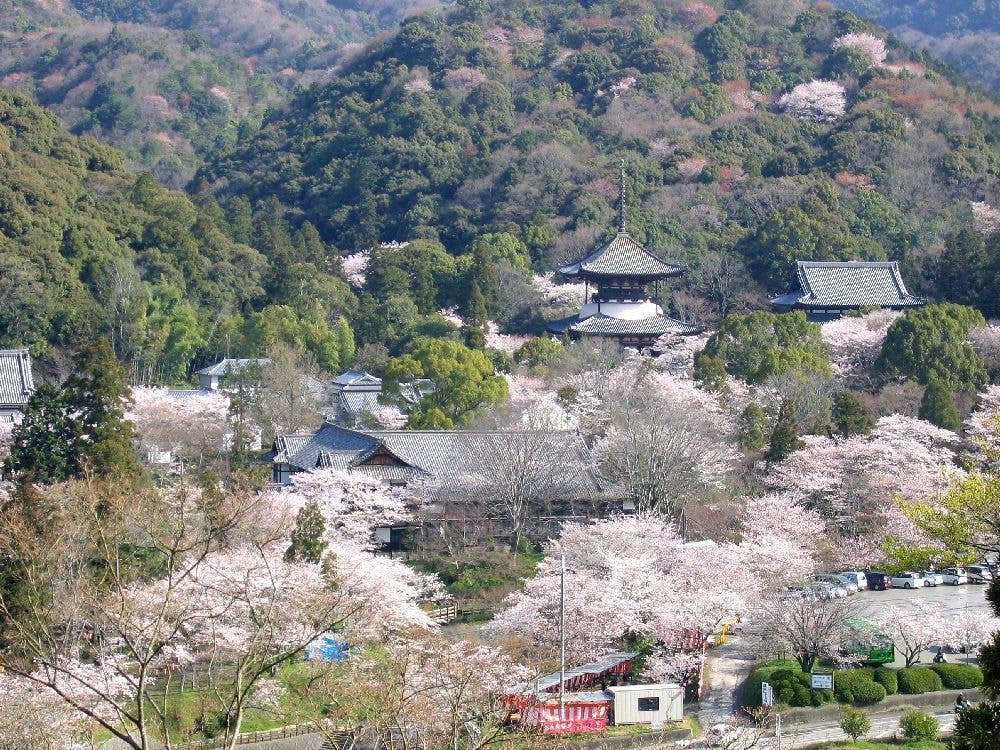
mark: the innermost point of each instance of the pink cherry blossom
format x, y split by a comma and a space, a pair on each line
816, 101
871, 45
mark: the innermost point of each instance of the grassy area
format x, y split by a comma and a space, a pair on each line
923, 745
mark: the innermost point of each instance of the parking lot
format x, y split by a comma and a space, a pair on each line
950, 600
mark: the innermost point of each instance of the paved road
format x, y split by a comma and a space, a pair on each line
727, 667
883, 726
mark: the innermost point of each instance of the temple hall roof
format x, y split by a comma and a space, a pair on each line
16, 382
623, 256
849, 284
659, 325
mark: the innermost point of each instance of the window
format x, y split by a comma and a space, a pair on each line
649, 704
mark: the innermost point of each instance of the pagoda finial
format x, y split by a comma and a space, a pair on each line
621, 198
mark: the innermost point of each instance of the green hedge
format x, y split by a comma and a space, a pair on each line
886, 677
959, 676
858, 686
762, 674
915, 680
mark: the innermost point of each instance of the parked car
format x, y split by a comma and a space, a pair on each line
827, 590
878, 581
908, 580
844, 583
955, 576
932, 578
979, 574
799, 593
856, 576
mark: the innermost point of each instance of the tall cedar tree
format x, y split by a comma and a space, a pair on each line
44, 447
785, 436
938, 406
850, 416
307, 544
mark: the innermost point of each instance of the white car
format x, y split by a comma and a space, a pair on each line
827, 590
858, 578
908, 580
932, 578
844, 583
955, 576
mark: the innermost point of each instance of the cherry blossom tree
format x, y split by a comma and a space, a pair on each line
983, 425
871, 45
353, 505
986, 218
816, 101
191, 425
914, 629
780, 537
806, 629
356, 267
855, 344
969, 629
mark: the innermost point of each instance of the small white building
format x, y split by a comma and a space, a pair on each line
660, 703
210, 378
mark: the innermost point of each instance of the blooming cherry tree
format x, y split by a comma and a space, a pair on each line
855, 343
190, 425
780, 537
871, 45
914, 629
816, 101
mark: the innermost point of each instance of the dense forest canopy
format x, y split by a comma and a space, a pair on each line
169, 80
483, 140
964, 32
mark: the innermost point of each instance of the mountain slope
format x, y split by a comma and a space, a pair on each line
511, 116
168, 80
966, 33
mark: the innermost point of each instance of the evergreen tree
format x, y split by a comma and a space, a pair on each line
345, 342
239, 448
44, 446
96, 395
850, 415
476, 313
307, 544
978, 726
753, 428
938, 406
785, 436
475, 337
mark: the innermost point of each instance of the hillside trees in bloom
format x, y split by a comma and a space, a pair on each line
816, 101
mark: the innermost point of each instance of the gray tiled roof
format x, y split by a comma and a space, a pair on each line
605, 325
623, 256
357, 378
449, 456
358, 402
849, 284
16, 381
225, 366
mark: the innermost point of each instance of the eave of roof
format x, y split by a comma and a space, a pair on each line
849, 284
659, 325
622, 257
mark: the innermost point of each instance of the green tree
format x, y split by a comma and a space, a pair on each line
755, 346
44, 445
918, 726
938, 406
785, 435
753, 426
854, 722
962, 273
850, 415
539, 352
464, 378
932, 343
345, 342
307, 542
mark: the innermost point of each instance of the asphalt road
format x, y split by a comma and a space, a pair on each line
884, 726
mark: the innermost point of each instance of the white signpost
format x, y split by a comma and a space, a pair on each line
766, 694
822, 682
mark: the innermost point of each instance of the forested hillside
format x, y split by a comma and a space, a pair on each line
964, 32
169, 80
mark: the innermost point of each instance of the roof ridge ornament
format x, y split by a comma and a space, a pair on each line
621, 198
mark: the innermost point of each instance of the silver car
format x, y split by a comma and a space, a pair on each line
932, 578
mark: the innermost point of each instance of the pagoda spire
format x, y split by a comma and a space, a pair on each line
621, 198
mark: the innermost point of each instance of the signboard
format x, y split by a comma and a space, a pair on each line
822, 682
766, 694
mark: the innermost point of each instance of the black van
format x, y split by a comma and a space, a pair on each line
878, 581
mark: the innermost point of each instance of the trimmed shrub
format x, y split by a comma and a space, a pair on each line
855, 723
886, 677
959, 676
765, 673
916, 680
857, 686
919, 726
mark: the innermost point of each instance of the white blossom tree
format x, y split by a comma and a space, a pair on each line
192, 426
914, 629
871, 45
780, 537
816, 101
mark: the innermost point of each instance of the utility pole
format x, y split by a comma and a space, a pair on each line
562, 638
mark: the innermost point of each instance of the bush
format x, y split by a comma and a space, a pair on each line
915, 680
918, 725
959, 676
886, 677
855, 723
858, 686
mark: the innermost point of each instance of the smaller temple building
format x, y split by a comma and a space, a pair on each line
16, 383
829, 289
618, 304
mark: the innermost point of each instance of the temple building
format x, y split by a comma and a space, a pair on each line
617, 301
829, 289
16, 383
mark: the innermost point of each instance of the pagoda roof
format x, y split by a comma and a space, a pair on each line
623, 256
605, 325
849, 284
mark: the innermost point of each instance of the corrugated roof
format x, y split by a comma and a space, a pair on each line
623, 256
605, 325
225, 366
16, 381
849, 284
449, 456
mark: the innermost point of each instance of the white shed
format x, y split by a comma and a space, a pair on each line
648, 704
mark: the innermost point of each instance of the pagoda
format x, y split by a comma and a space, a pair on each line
617, 303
